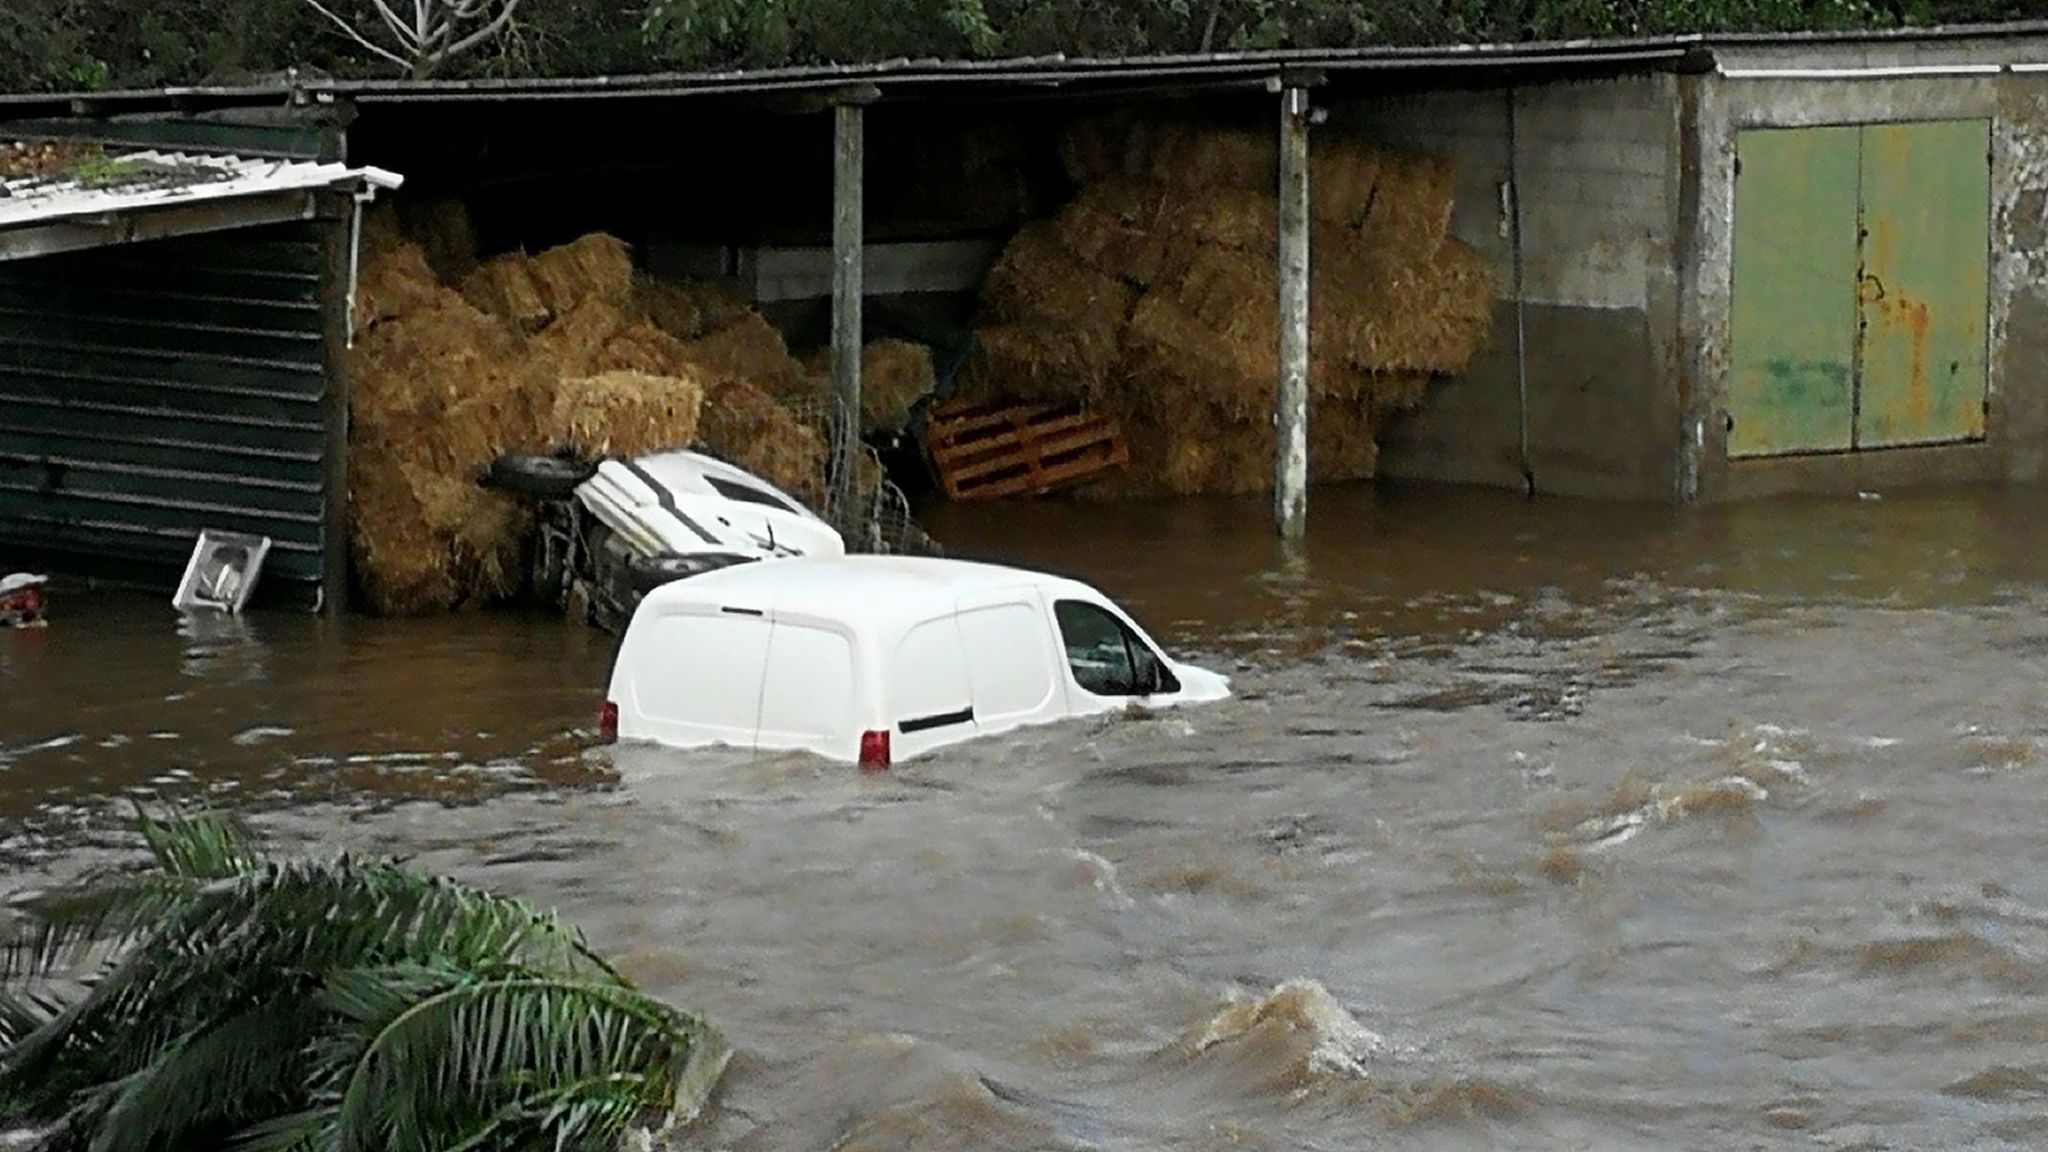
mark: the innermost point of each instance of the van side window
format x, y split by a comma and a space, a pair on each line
1108, 659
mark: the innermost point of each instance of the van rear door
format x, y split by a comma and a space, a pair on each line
697, 675
809, 694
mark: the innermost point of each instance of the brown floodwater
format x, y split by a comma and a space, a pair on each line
1534, 825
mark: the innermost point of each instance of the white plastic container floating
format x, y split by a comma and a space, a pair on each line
222, 573
874, 659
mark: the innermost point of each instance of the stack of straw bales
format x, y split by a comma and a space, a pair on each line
457, 361
1153, 297
894, 376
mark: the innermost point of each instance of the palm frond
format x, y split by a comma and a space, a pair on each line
442, 1063
285, 925
240, 1067
61, 928
327, 1006
304, 1131
107, 909
201, 845
18, 1017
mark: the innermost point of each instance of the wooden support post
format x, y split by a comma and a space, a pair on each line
1290, 414
847, 288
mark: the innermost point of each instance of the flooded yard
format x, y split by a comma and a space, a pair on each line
1532, 825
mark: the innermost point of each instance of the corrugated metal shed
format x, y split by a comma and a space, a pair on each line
155, 382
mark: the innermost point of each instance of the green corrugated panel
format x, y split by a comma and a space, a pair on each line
152, 391
1926, 212
1793, 328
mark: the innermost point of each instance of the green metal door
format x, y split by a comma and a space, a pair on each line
1926, 194
1793, 327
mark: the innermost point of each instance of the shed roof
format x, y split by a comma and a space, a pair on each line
1440, 64
56, 196
913, 77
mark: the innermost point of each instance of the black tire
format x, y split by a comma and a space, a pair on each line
542, 477
646, 573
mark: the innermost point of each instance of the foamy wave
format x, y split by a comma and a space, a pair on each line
1339, 1044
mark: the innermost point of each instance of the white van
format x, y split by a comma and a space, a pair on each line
870, 659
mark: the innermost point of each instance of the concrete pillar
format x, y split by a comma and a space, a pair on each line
848, 150
1290, 413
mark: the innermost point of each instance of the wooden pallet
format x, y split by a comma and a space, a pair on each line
992, 451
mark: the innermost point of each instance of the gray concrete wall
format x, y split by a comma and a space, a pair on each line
1598, 167
2016, 444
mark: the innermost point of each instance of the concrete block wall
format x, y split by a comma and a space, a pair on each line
1598, 169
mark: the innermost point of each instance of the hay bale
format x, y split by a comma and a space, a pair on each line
381, 231
595, 267
503, 286
490, 545
1411, 208
1428, 318
626, 413
1038, 363
673, 308
502, 411
441, 226
746, 425
426, 542
1186, 156
1117, 228
1206, 451
644, 348
1245, 220
407, 371
395, 281
894, 376
749, 349
1219, 317
1390, 393
401, 566
573, 344
1343, 440
718, 308
1343, 172
1038, 278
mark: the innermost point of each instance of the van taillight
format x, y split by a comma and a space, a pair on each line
608, 722
874, 749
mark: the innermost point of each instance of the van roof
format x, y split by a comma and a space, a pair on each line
882, 586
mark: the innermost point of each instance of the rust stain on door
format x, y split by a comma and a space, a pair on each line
1926, 206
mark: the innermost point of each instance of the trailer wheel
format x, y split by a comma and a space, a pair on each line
542, 477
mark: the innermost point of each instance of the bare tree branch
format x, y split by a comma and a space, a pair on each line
486, 32
435, 33
358, 37
391, 19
